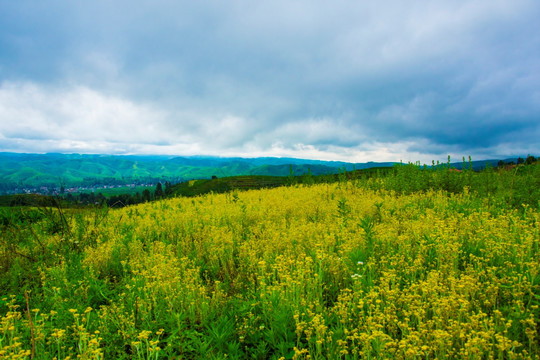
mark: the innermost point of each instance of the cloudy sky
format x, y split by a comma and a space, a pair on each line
334, 80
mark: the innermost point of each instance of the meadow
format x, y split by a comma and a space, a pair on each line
416, 263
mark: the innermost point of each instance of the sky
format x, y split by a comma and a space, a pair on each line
340, 80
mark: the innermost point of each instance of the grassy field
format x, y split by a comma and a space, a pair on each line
408, 264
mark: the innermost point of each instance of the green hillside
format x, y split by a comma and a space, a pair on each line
29, 171
21, 173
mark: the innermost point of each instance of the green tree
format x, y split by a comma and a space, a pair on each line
159, 191
146, 195
291, 179
530, 160
168, 188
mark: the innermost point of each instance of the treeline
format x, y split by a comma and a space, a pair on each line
529, 160
119, 200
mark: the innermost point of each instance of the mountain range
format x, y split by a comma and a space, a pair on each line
26, 171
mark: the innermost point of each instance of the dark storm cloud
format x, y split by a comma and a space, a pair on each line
343, 80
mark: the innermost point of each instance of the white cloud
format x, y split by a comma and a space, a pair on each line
75, 115
342, 80
37, 118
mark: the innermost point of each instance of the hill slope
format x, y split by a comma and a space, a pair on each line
19, 171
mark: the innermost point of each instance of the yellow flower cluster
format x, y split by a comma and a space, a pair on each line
325, 271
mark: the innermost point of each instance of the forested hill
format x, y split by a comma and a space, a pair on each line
21, 172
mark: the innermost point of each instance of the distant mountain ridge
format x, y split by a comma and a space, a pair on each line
21, 172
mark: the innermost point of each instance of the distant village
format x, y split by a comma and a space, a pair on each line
60, 190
